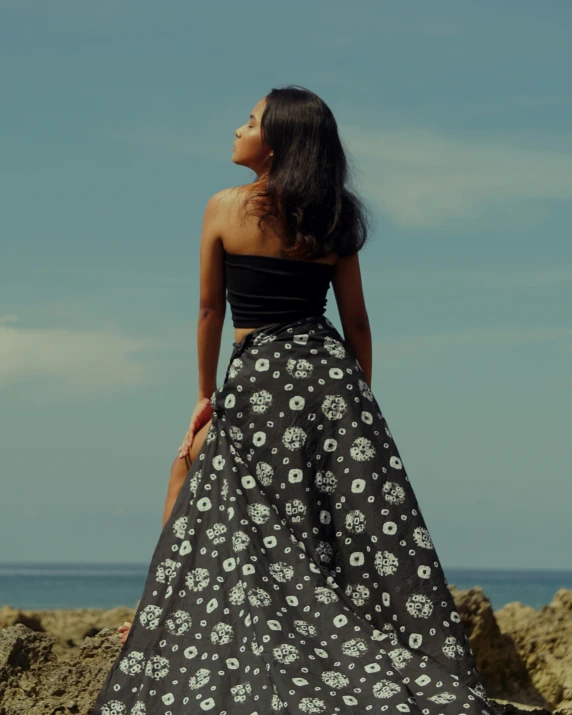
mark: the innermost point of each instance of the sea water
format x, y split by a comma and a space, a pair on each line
72, 585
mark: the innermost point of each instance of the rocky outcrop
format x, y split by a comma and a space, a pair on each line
543, 640
34, 681
68, 626
55, 662
498, 659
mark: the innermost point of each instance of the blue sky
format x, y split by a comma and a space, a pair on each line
117, 125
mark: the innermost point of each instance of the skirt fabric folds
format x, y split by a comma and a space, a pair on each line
296, 573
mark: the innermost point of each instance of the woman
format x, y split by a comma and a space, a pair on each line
294, 572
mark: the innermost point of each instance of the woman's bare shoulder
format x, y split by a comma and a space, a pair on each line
230, 204
232, 194
227, 203
231, 201
236, 194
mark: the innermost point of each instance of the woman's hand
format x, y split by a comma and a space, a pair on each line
201, 415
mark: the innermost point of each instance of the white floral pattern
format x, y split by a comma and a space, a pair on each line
296, 573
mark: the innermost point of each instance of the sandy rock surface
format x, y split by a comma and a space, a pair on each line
54, 662
543, 641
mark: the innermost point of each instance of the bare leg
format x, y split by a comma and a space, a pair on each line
179, 470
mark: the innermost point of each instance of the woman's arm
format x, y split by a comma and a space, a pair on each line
212, 302
348, 290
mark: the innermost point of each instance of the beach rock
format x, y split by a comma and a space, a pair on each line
503, 668
55, 662
34, 681
10, 616
506, 707
543, 641
69, 627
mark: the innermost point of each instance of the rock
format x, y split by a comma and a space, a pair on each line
10, 616
504, 671
542, 638
71, 626
505, 707
55, 662
34, 681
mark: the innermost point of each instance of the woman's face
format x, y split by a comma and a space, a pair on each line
249, 149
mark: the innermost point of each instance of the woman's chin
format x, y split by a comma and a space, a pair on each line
236, 160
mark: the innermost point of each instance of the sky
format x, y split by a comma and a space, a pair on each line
117, 125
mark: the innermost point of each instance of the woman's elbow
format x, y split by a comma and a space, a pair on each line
211, 311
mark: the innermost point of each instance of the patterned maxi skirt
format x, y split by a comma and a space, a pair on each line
296, 573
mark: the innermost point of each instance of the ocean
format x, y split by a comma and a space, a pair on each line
68, 585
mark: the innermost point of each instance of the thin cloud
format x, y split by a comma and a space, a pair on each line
423, 179
499, 279
421, 344
79, 361
531, 102
419, 178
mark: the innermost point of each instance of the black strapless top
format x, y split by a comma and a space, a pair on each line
267, 289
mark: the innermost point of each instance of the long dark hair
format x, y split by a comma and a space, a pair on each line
306, 188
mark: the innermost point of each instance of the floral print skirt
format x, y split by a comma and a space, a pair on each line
296, 573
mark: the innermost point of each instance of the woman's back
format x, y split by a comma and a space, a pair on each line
264, 285
241, 234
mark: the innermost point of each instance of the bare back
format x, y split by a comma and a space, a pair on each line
241, 234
